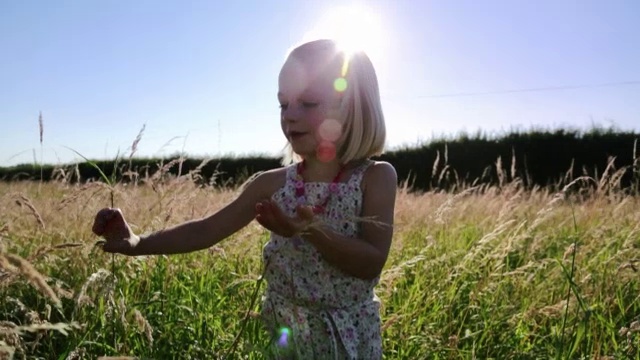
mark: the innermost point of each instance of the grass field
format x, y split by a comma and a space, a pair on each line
487, 273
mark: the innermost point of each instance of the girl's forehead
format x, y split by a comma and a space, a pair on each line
301, 76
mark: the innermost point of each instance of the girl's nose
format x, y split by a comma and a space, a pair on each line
290, 114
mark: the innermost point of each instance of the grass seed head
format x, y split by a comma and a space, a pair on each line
34, 277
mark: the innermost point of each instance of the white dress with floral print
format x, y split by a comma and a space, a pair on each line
327, 313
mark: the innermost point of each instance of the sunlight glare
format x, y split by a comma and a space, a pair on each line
355, 28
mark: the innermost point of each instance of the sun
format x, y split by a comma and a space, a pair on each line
355, 28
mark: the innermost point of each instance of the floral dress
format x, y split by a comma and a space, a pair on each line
314, 310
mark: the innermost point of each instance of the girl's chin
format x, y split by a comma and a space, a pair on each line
303, 149
305, 154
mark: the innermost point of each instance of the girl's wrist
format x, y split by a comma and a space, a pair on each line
311, 232
134, 241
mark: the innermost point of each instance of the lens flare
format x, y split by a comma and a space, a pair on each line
330, 130
340, 84
283, 340
326, 151
345, 67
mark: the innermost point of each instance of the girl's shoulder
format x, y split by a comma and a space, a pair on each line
269, 181
379, 175
275, 174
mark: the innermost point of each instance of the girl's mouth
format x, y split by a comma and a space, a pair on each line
296, 134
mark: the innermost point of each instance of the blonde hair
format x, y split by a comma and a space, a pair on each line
360, 109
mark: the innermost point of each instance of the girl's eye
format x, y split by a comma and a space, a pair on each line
305, 104
309, 105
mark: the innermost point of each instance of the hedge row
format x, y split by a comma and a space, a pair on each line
537, 158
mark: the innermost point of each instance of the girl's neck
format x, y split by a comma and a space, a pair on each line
321, 171
316, 170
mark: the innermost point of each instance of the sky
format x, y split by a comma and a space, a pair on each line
201, 76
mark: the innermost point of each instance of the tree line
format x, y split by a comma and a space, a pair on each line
533, 158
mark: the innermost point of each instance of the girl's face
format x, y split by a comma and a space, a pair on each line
309, 107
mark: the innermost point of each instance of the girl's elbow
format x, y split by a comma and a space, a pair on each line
370, 272
370, 276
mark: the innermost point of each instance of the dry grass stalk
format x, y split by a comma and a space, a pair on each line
443, 210
159, 174
482, 246
6, 351
63, 328
41, 127
24, 201
392, 273
99, 277
44, 250
100, 187
500, 172
19, 306
544, 213
550, 311
10, 333
62, 292
144, 326
122, 309
443, 173
33, 276
636, 167
605, 180
59, 175
570, 251
136, 141
568, 176
509, 206
392, 320
436, 162
62, 176
194, 175
77, 354
513, 164
6, 265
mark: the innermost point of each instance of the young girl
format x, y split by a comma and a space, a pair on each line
330, 213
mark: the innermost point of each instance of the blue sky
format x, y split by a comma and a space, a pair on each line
202, 75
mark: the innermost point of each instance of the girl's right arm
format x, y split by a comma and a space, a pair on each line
192, 235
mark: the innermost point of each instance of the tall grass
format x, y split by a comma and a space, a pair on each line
496, 272
41, 133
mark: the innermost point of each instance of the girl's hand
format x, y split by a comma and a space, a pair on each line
110, 224
271, 217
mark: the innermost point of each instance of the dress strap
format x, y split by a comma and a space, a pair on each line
358, 172
291, 174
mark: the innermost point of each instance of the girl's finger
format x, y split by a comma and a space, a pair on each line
100, 221
98, 226
259, 208
266, 223
116, 246
263, 215
278, 221
260, 219
278, 214
305, 212
269, 212
290, 225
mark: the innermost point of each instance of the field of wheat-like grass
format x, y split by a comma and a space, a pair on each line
488, 272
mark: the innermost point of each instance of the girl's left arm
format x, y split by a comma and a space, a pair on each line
364, 257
